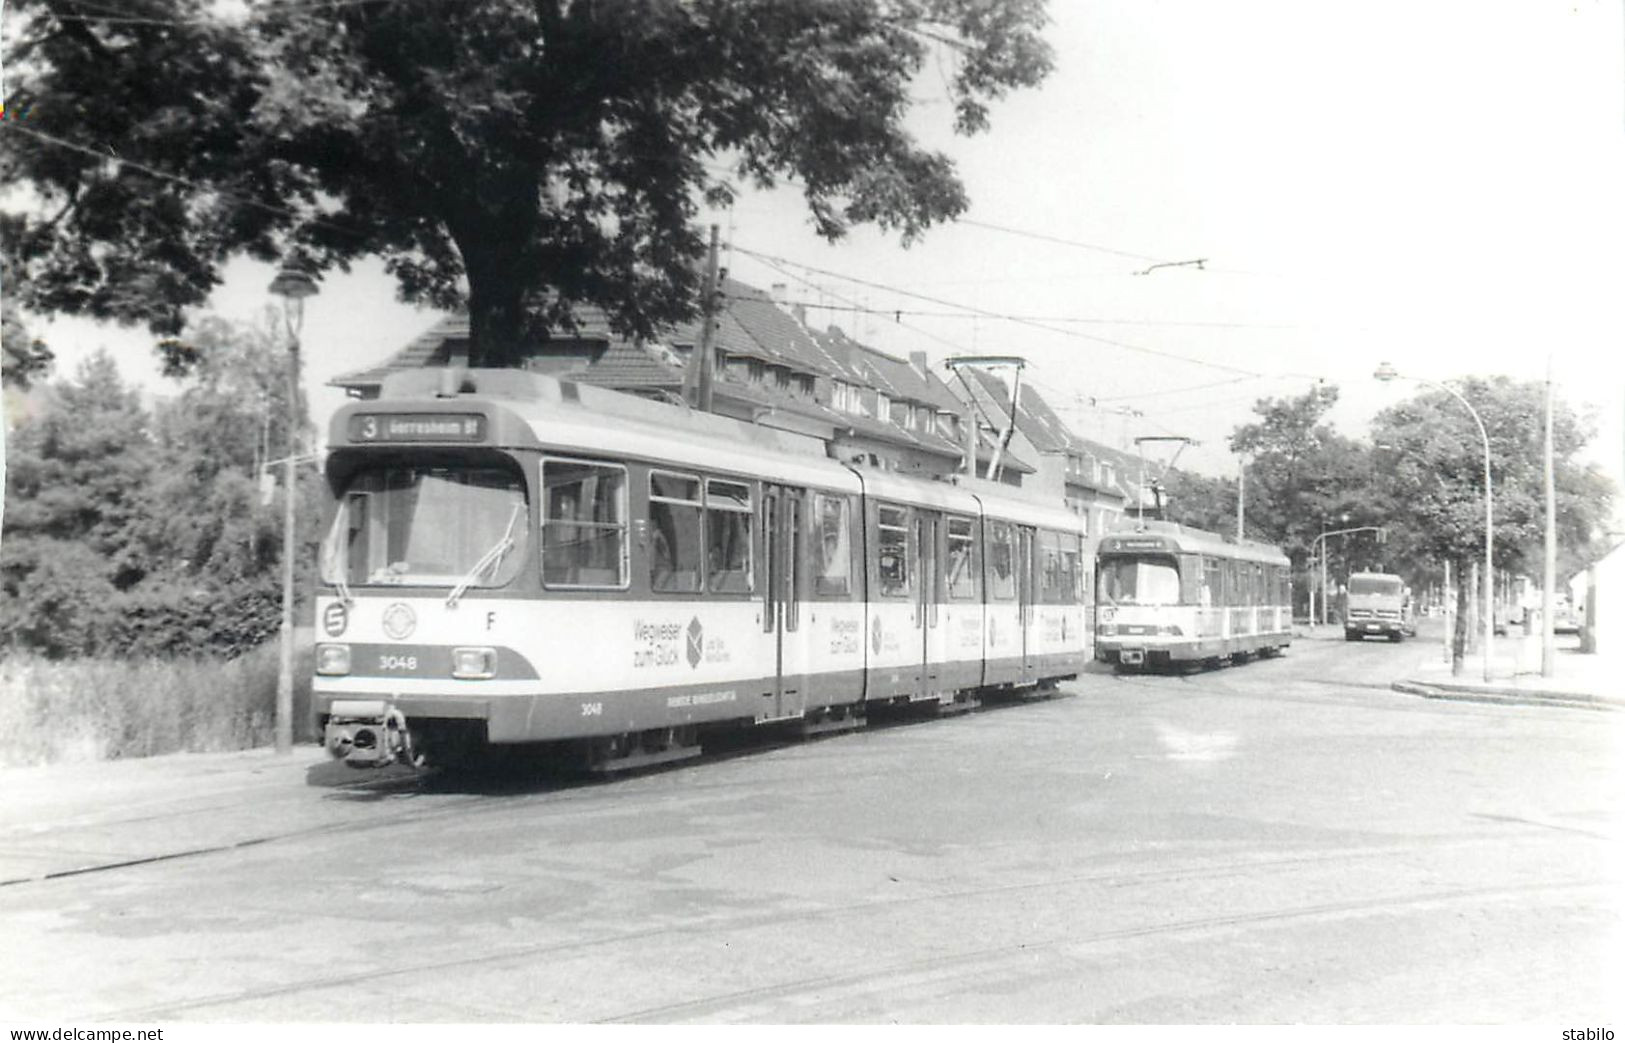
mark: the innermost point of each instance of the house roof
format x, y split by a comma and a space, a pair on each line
749, 325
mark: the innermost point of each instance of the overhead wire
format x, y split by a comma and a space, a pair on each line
1015, 319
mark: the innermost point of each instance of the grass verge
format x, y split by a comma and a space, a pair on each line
106, 709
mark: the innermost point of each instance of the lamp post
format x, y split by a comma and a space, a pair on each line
1385, 373
293, 286
1325, 591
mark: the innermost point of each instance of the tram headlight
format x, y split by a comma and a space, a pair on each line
332, 660
1108, 629
474, 664
1172, 630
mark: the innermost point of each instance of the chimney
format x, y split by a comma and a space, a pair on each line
921, 366
780, 292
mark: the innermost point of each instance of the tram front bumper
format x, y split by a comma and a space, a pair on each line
368, 733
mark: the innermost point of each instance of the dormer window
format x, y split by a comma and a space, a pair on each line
882, 406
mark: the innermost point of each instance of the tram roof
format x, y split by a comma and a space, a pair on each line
539, 411
1173, 538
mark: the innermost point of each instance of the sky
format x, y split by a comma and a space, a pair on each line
1436, 184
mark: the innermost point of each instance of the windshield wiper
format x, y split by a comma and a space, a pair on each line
337, 564
490, 559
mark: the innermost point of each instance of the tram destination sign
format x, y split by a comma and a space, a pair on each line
417, 427
1139, 543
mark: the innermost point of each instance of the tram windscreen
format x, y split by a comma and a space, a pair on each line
1152, 580
429, 526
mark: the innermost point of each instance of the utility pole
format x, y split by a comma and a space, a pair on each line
700, 374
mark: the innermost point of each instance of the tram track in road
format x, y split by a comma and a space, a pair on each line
755, 921
978, 964
495, 792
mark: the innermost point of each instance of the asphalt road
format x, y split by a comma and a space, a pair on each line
1285, 841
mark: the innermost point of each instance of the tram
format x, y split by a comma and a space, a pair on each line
513, 559
1167, 594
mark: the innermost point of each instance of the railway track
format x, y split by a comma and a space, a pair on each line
969, 962
504, 790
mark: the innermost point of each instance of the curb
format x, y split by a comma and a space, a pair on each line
1509, 695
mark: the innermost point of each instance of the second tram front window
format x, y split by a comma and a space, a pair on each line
583, 524
1152, 580
434, 526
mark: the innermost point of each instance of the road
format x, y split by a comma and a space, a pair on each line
1285, 841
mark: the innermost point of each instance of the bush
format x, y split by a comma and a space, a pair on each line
108, 709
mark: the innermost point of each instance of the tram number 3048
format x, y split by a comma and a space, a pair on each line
397, 662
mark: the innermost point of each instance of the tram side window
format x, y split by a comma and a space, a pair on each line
892, 547
584, 524
1049, 564
832, 545
1058, 566
728, 524
675, 533
1212, 585
961, 572
1001, 559
1072, 584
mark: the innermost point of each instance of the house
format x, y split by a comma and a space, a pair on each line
771, 369
1600, 591
1096, 482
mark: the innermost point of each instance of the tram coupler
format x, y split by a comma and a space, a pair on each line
369, 733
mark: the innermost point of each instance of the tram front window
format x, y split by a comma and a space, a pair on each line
1139, 581
429, 526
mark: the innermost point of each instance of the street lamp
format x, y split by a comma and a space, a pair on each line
293, 286
1385, 373
1325, 549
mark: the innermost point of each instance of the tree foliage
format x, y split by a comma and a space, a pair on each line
1303, 477
24, 358
137, 532
1432, 473
517, 157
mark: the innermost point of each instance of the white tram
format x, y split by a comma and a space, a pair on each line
514, 559
1169, 594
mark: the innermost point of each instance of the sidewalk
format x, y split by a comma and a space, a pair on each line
1594, 681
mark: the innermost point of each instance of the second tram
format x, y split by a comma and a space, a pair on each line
1167, 594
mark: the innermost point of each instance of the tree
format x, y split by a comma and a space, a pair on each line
23, 357
1199, 501
514, 157
75, 479
1432, 479
137, 533
1302, 476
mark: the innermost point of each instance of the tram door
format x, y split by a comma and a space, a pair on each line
928, 613
782, 552
1027, 604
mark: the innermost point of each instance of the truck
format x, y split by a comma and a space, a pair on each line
1378, 603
